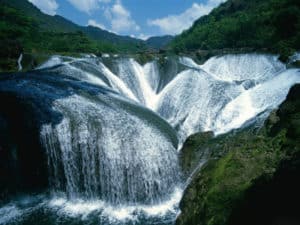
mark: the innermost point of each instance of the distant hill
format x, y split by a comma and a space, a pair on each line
123, 42
57, 23
271, 24
24, 28
29, 31
159, 42
60, 24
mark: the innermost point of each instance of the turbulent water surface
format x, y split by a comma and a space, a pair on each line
112, 128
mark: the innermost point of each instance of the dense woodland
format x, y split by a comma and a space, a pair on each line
20, 33
30, 31
261, 24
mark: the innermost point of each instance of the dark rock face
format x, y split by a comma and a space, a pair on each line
272, 201
22, 161
289, 114
255, 179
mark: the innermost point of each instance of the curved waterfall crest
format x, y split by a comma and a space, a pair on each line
206, 90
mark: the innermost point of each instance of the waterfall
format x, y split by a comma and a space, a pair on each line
112, 128
240, 68
106, 149
225, 92
220, 95
263, 97
192, 97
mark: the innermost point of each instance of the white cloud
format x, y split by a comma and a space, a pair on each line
46, 6
215, 2
175, 24
120, 18
94, 23
140, 36
144, 36
87, 5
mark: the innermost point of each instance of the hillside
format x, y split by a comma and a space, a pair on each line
59, 24
159, 42
22, 33
24, 28
235, 24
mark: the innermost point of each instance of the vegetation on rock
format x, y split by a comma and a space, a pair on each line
254, 24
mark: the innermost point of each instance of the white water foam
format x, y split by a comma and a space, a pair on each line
82, 208
53, 61
265, 96
17, 211
117, 83
244, 67
87, 76
9, 212
192, 101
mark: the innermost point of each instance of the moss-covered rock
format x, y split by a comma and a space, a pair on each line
31, 61
220, 185
219, 189
272, 200
193, 151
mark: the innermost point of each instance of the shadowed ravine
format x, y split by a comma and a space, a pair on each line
109, 131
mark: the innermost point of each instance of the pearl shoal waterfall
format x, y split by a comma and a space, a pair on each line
111, 128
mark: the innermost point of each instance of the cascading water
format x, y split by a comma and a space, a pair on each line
96, 160
112, 128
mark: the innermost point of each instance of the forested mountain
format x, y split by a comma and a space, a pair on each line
58, 23
269, 24
159, 42
24, 28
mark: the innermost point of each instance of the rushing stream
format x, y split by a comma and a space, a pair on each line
111, 129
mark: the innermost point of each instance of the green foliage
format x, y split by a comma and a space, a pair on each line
59, 24
272, 24
143, 57
159, 42
189, 156
236, 172
23, 28
66, 42
221, 184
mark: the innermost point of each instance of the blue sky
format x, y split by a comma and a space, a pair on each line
137, 18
